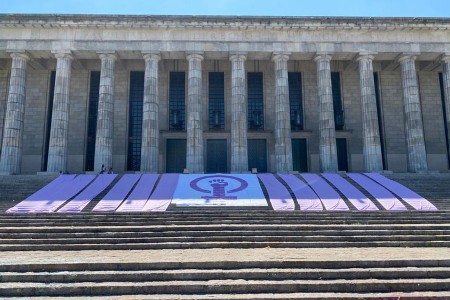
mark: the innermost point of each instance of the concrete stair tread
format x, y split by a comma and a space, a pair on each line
229, 239
225, 285
243, 273
305, 296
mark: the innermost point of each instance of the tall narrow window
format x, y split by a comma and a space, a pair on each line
339, 117
379, 117
92, 120
216, 100
51, 93
255, 112
295, 100
441, 84
176, 101
135, 120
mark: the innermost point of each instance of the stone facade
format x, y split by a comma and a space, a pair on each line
399, 121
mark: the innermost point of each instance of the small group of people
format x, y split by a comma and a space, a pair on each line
103, 170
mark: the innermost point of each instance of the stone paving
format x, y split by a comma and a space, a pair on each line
232, 254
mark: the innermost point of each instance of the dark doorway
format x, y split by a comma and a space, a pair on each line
175, 155
299, 155
216, 157
341, 145
257, 155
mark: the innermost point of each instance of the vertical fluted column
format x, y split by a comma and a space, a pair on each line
373, 161
150, 120
239, 158
446, 84
194, 148
57, 152
417, 156
11, 154
283, 143
105, 116
327, 132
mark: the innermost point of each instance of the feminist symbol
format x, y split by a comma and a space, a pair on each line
218, 184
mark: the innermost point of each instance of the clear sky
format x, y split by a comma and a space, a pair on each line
366, 8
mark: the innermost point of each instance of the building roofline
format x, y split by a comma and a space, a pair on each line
253, 22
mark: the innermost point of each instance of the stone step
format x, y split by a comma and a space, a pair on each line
220, 274
298, 228
228, 286
224, 238
95, 233
285, 296
174, 264
216, 223
226, 244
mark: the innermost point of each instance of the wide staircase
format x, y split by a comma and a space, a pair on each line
227, 254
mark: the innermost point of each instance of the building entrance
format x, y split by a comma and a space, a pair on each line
175, 155
257, 155
216, 156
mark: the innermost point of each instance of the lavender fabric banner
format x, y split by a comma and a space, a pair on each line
162, 196
409, 196
355, 196
117, 194
52, 186
382, 195
78, 203
75, 186
278, 194
140, 194
43, 196
219, 190
329, 197
306, 197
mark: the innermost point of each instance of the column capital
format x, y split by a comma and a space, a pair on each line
364, 57
105, 55
22, 55
151, 56
241, 56
195, 55
445, 57
324, 56
277, 56
407, 56
63, 54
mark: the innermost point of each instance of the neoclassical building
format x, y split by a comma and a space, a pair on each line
223, 94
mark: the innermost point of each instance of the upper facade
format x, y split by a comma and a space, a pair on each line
218, 36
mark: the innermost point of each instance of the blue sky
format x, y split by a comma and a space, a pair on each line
367, 8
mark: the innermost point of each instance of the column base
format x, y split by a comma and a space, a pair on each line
47, 173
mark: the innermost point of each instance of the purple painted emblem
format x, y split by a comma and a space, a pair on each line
218, 184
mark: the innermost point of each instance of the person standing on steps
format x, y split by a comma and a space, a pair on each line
102, 171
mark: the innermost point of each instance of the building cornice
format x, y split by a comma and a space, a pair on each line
222, 22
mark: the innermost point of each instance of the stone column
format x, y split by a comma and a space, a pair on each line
57, 152
373, 161
194, 148
239, 156
105, 116
417, 156
11, 154
283, 143
446, 84
150, 116
327, 132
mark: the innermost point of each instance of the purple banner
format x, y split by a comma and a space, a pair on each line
279, 196
306, 197
140, 194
